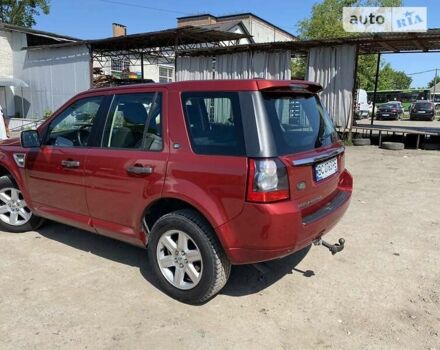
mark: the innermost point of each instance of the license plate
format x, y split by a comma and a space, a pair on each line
421, 112
326, 169
385, 115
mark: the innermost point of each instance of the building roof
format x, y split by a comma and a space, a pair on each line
367, 44
38, 33
236, 16
227, 26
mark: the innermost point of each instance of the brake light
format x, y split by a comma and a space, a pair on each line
345, 181
267, 181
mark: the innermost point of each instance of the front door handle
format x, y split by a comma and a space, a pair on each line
71, 164
140, 170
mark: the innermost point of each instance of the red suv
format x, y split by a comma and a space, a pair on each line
204, 173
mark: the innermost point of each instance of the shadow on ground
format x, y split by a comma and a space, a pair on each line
244, 279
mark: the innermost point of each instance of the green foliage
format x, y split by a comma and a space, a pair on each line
326, 18
298, 67
434, 81
366, 72
22, 12
326, 22
391, 79
47, 113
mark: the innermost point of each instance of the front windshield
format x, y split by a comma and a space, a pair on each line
299, 122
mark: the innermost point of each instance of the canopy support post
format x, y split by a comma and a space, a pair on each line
22, 103
142, 65
376, 80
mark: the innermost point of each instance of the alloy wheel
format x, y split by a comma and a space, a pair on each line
13, 208
179, 259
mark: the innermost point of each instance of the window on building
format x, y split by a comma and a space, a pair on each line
166, 74
119, 65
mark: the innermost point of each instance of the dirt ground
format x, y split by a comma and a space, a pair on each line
65, 288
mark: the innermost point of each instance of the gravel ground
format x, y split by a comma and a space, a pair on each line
65, 288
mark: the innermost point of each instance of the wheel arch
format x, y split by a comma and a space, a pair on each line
4, 171
165, 205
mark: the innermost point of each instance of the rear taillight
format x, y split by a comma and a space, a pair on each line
267, 181
345, 181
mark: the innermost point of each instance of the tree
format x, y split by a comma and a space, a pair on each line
326, 18
326, 22
391, 79
22, 12
434, 81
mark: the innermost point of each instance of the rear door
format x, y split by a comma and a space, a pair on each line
308, 144
128, 170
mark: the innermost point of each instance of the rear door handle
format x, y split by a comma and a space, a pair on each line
70, 164
140, 170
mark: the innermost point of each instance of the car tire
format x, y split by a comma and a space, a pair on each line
15, 216
394, 146
183, 278
361, 142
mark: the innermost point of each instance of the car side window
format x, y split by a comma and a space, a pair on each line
135, 122
214, 122
72, 127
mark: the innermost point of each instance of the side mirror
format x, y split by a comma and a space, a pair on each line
30, 139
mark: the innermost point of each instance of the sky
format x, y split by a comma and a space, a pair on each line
92, 19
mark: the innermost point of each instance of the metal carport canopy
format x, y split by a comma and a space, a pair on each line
428, 41
187, 37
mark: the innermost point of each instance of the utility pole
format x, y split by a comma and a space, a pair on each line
435, 83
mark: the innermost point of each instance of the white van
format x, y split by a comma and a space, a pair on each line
362, 108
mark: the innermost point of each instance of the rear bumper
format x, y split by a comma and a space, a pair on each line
423, 116
391, 116
269, 231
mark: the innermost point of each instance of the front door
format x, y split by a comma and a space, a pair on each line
128, 170
55, 172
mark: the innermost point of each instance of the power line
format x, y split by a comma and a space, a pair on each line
425, 71
115, 2
142, 6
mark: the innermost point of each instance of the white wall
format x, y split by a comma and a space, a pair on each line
6, 66
54, 75
10, 56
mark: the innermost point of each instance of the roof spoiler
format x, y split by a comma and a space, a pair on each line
300, 87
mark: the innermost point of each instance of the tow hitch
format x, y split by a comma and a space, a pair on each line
334, 248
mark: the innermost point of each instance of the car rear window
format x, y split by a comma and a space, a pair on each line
214, 122
299, 122
423, 105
